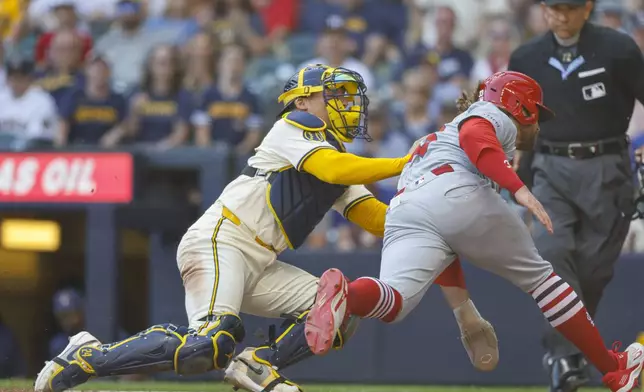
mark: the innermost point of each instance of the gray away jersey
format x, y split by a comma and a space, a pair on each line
446, 148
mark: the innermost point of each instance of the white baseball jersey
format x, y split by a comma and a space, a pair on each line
284, 146
32, 115
446, 148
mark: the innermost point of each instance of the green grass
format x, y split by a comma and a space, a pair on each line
26, 385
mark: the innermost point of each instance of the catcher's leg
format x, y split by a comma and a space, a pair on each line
259, 369
213, 270
158, 349
283, 290
477, 334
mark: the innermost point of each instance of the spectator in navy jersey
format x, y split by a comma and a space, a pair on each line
229, 112
200, 65
95, 114
454, 64
63, 72
160, 111
372, 26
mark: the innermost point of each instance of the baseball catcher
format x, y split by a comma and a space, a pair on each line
228, 258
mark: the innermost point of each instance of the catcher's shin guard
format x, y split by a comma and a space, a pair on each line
291, 347
212, 348
157, 349
256, 369
69, 368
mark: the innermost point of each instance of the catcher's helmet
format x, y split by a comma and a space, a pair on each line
344, 93
518, 94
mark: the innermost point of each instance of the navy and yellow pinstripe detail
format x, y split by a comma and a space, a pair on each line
215, 337
87, 369
175, 358
147, 331
354, 203
276, 217
299, 200
306, 156
282, 336
215, 255
302, 127
290, 327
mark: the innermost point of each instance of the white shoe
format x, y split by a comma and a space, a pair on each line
481, 345
247, 373
55, 366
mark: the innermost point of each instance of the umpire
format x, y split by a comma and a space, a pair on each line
580, 169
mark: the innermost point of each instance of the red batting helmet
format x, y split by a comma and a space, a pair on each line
518, 94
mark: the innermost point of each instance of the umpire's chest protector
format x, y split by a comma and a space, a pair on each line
299, 200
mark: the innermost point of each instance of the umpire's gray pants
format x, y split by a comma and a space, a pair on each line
590, 202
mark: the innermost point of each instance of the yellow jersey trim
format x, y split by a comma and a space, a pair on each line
306, 156
354, 203
304, 116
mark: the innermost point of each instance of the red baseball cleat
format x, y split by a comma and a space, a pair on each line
624, 379
328, 312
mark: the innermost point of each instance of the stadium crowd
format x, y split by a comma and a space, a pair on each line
164, 73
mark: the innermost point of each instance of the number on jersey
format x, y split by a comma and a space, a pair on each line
422, 147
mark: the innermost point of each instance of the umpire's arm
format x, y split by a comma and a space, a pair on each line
630, 68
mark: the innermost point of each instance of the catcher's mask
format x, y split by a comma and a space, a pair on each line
344, 94
518, 94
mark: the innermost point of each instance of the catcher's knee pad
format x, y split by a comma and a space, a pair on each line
149, 351
211, 348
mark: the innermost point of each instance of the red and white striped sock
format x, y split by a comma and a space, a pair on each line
371, 298
564, 310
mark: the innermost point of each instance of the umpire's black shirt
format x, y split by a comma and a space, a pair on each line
591, 86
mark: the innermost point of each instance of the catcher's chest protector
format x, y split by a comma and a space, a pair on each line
299, 201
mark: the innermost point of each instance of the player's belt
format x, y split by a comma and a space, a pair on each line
253, 172
584, 150
446, 168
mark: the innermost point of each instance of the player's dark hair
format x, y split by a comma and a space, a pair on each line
467, 99
176, 79
190, 81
